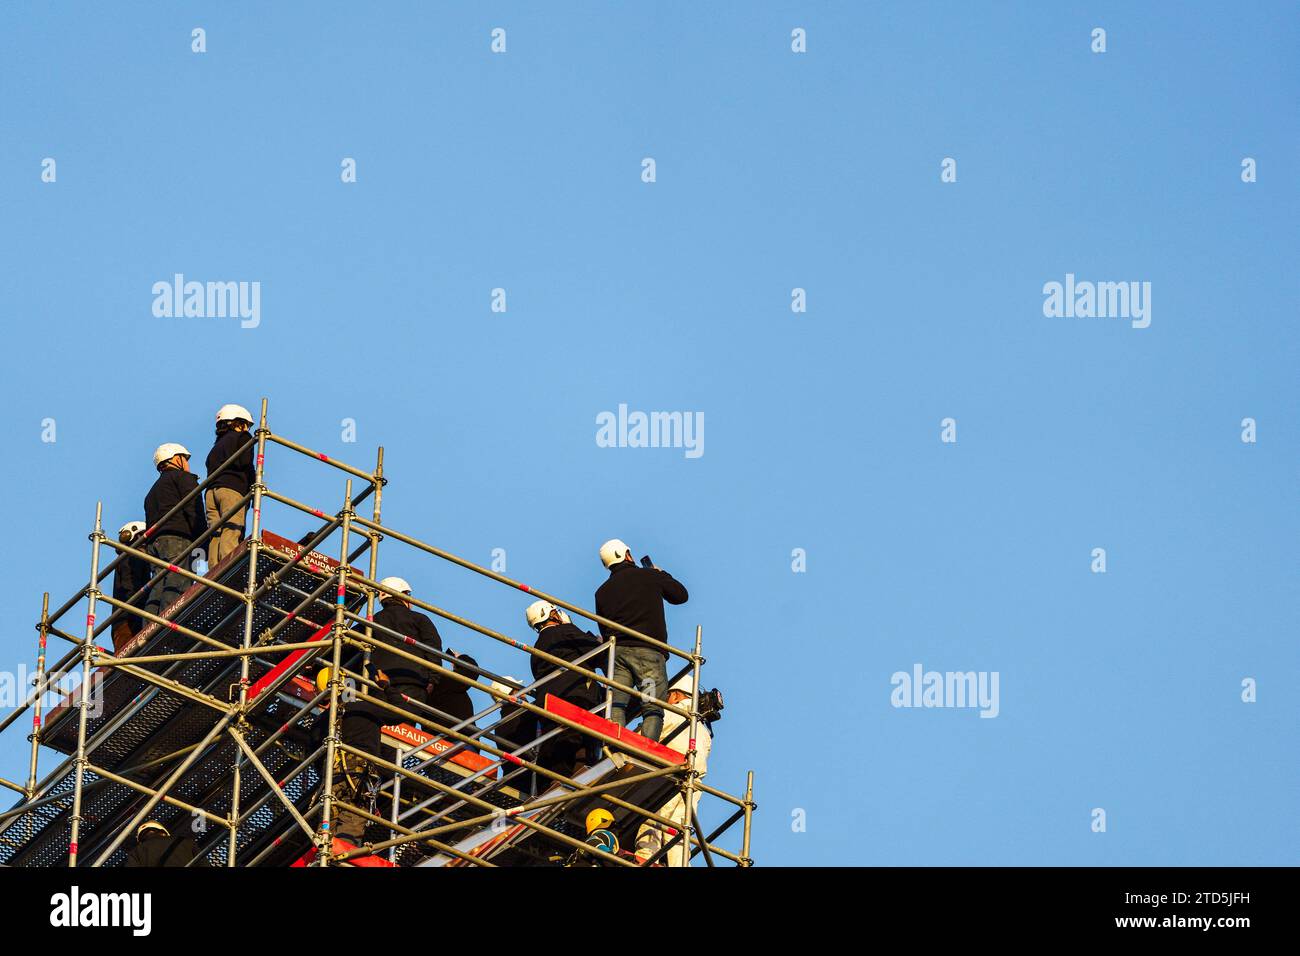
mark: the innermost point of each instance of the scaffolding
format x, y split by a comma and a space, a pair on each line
206, 719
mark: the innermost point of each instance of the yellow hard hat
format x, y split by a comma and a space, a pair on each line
598, 819
322, 678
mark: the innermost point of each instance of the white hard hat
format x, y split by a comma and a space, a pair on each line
538, 612
234, 413
135, 527
396, 584
683, 683
612, 552
169, 450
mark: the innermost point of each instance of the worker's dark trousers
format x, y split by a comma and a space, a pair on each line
647, 670
173, 549
355, 778
569, 748
563, 752
354, 783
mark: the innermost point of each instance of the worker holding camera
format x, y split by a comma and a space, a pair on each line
634, 597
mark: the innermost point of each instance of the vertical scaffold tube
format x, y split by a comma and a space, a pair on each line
336, 679
375, 538
250, 587
92, 592
688, 790
749, 818
40, 692
609, 673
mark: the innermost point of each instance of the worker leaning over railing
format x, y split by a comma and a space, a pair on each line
405, 677
452, 697
569, 752
634, 597
356, 779
130, 576
170, 540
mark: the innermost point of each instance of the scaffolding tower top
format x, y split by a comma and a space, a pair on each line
205, 717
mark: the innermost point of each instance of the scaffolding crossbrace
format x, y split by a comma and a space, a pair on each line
206, 722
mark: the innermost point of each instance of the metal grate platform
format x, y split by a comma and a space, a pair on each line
139, 722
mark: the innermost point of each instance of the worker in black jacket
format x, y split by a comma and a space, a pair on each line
569, 750
228, 488
558, 636
170, 540
154, 846
452, 697
419, 637
517, 726
634, 597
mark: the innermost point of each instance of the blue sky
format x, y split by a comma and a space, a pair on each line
775, 170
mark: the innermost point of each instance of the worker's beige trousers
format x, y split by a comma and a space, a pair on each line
650, 839
222, 542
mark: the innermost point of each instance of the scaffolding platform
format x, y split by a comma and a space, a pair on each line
209, 721
136, 724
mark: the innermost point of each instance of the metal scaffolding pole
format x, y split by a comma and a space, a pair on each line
516, 815
530, 765
163, 789
62, 667
373, 574
271, 783
749, 818
689, 821
169, 800
250, 590
519, 645
534, 592
143, 590
604, 791
148, 533
375, 538
36, 704
92, 592
326, 833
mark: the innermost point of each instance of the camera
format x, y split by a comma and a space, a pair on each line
711, 705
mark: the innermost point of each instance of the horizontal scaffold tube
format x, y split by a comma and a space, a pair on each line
498, 752
149, 532
495, 635
511, 814
319, 456
501, 578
